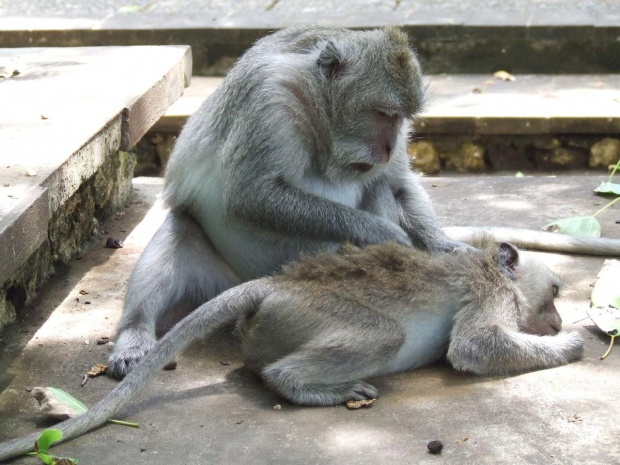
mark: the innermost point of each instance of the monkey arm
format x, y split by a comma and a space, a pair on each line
497, 349
276, 205
417, 216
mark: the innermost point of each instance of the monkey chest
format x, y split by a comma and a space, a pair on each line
346, 194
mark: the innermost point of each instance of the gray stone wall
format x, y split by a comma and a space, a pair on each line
466, 154
71, 227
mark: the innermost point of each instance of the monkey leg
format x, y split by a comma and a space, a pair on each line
179, 267
330, 372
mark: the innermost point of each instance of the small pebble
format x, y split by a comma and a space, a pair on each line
435, 447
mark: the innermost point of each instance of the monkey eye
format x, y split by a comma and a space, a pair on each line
556, 290
387, 112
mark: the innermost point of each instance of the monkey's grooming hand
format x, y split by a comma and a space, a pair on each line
450, 246
393, 232
129, 349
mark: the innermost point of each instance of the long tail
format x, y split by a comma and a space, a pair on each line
540, 240
224, 309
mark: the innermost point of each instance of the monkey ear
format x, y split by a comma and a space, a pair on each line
331, 61
508, 257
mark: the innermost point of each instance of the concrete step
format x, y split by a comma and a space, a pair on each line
69, 116
455, 37
481, 123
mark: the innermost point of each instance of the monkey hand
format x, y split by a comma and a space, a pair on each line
571, 345
397, 234
450, 246
131, 345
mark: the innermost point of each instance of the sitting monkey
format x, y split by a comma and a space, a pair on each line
319, 330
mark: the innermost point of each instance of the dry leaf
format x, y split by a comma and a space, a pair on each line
83, 292
462, 440
97, 369
30, 172
478, 90
277, 407
358, 404
52, 403
504, 76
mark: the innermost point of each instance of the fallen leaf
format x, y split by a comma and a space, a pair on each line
358, 404
462, 440
83, 292
97, 369
103, 340
44, 117
604, 308
477, 90
277, 407
8, 71
504, 76
608, 188
30, 172
575, 226
56, 403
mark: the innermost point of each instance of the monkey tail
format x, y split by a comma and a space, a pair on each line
539, 240
225, 308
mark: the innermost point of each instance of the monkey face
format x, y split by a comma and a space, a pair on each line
546, 321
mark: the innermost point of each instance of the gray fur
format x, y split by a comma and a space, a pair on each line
302, 148
316, 332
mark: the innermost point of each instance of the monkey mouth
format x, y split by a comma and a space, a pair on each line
361, 167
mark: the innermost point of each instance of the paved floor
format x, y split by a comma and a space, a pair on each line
211, 410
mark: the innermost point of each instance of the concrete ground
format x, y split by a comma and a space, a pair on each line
212, 410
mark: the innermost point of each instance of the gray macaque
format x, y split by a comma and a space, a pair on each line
319, 330
301, 149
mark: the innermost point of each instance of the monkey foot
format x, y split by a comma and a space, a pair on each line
131, 346
330, 394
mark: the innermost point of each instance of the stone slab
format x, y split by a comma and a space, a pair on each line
484, 105
22, 230
555, 38
211, 410
64, 110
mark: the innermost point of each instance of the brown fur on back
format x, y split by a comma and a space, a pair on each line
394, 267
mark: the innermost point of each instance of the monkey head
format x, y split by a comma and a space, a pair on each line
373, 86
538, 288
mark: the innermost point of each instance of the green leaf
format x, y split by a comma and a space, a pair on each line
608, 188
129, 9
575, 226
47, 438
68, 399
46, 458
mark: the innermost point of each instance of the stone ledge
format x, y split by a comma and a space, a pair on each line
69, 115
560, 41
475, 123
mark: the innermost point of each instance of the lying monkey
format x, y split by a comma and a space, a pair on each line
315, 332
